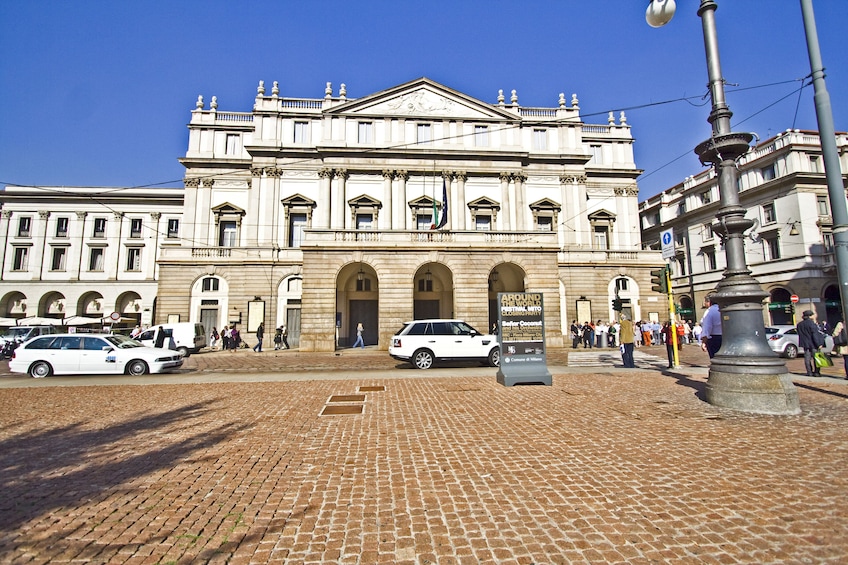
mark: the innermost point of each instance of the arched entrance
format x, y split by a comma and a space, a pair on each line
505, 277
357, 302
288, 308
52, 305
686, 311
432, 296
90, 305
13, 305
832, 305
780, 307
129, 306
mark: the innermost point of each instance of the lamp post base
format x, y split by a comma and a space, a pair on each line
750, 391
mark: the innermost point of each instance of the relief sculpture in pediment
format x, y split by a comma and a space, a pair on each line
420, 102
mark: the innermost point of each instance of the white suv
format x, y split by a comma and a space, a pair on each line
422, 342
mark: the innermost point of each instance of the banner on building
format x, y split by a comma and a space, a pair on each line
521, 333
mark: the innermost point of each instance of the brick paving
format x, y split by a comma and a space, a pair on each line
441, 467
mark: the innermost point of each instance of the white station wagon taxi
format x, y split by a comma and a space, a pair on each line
90, 354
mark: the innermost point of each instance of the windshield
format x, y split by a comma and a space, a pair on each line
12, 333
122, 341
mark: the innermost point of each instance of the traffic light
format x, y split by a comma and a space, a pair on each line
659, 280
616, 305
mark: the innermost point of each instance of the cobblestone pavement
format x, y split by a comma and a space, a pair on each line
440, 467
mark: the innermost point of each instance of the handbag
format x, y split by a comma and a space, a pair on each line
822, 360
840, 339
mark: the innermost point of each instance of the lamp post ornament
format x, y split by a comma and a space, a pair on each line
745, 374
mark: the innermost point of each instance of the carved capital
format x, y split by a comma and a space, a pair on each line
388, 174
519, 177
274, 172
325, 173
6, 214
572, 178
191, 182
82, 215
402, 175
43, 214
341, 174
256, 171
505, 177
156, 215
208, 183
460, 176
447, 175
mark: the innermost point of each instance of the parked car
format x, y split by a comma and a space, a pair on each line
783, 340
22, 333
189, 337
424, 342
82, 354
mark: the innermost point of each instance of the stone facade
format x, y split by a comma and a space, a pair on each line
416, 201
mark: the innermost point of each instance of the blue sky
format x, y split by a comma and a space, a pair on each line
98, 93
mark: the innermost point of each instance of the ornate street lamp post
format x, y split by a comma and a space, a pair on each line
745, 374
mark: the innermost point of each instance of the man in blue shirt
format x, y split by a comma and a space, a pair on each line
711, 327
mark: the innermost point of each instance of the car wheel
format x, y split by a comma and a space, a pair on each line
137, 367
423, 359
40, 369
183, 351
495, 357
791, 351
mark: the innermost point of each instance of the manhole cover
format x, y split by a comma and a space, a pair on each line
337, 410
347, 398
372, 389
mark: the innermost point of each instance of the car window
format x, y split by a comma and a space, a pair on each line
145, 335
41, 343
122, 341
793, 331
442, 328
417, 329
66, 342
771, 330
93, 344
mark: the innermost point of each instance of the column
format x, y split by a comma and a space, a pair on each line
200, 222
401, 209
459, 208
387, 217
520, 201
39, 233
268, 203
5, 218
338, 199
113, 239
190, 208
322, 219
505, 208
250, 231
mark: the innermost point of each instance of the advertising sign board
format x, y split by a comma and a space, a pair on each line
521, 323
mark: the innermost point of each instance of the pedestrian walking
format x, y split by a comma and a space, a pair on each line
260, 334
575, 334
285, 336
359, 340
811, 340
235, 338
214, 337
278, 338
840, 342
226, 334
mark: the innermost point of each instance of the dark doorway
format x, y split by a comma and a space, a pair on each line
365, 312
425, 309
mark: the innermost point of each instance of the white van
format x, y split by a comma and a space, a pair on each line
185, 337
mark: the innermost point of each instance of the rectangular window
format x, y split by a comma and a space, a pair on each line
599, 239
540, 139
210, 284
827, 241
424, 221
545, 223
681, 266
301, 132
597, 154
21, 259
297, 223
481, 136
823, 206
57, 263
232, 144
173, 228
710, 260
364, 221
424, 137
229, 234
99, 227
769, 216
815, 164
24, 226
707, 196
769, 172
365, 132
95, 259
135, 228
134, 259
483, 223
61, 227
708, 232
772, 245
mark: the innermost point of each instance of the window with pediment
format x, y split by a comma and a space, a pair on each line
484, 213
228, 220
298, 217
364, 212
545, 214
601, 224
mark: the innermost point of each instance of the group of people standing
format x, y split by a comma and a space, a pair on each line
230, 338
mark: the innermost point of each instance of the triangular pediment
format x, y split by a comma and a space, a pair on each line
424, 98
423, 201
602, 215
364, 201
545, 204
483, 203
227, 208
298, 201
